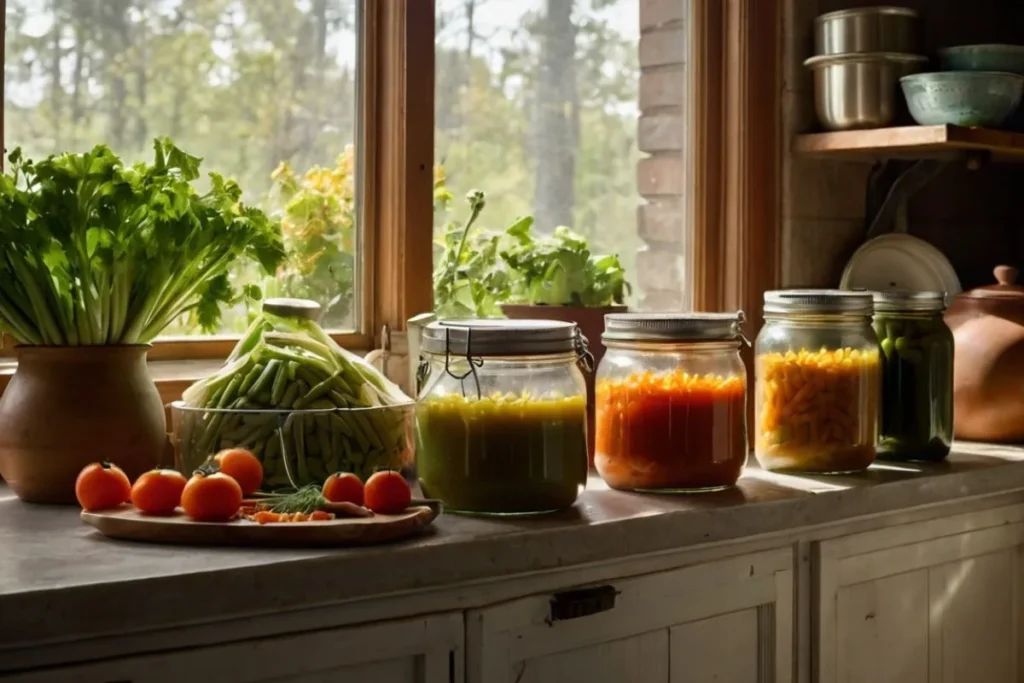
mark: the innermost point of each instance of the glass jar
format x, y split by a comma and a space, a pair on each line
671, 402
817, 385
501, 423
917, 375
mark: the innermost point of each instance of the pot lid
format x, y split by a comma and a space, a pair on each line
1006, 287
498, 337
672, 327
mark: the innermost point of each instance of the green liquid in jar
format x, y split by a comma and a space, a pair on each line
917, 387
502, 454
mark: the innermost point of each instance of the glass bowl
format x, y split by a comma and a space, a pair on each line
298, 447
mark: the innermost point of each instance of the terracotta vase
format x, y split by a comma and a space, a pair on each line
591, 324
68, 406
988, 360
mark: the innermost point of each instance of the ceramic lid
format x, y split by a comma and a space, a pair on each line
1006, 287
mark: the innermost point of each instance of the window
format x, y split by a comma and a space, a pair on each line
264, 90
650, 126
536, 105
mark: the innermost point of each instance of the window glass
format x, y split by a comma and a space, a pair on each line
536, 105
263, 90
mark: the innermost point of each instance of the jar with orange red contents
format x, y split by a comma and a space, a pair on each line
818, 382
671, 402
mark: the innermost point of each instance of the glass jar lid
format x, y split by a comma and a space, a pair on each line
673, 327
827, 301
500, 337
292, 308
910, 301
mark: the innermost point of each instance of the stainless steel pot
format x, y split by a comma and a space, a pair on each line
866, 29
860, 90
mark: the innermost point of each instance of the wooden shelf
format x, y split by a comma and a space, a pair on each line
913, 142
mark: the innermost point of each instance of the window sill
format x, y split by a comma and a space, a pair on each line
172, 377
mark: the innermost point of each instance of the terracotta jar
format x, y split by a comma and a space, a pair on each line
988, 363
68, 406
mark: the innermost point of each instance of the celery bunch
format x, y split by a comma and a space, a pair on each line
94, 251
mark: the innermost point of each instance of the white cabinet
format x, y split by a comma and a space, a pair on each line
423, 650
729, 621
933, 602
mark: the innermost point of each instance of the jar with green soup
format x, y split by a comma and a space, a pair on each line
917, 378
501, 422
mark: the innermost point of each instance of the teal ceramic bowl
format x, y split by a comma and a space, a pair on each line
1006, 58
962, 98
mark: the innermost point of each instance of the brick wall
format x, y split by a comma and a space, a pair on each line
661, 219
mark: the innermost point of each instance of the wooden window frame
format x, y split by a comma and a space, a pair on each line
735, 56
394, 143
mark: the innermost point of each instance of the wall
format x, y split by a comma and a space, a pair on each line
974, 217
661, 218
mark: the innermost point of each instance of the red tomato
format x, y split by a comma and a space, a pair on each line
101, 486
158, 492
242, 466
387, 493
211, 497
343, 487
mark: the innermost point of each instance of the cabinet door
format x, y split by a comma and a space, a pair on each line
730, 620
425, 650
935, 602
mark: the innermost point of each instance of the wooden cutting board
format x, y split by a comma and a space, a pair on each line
128, 524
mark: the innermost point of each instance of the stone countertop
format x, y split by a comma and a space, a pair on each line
61, 580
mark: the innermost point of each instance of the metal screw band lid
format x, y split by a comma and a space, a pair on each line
908, 300
818, 301
499, 337
670, 327
292, 308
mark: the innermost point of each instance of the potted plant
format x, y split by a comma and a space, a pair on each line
523, 275
96, 258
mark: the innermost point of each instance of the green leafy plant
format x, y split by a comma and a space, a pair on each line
560, 270
470, 280
318, 218
478, 270
93, 251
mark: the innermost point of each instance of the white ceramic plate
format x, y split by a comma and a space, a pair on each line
898, 261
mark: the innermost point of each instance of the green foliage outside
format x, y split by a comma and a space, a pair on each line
533, 97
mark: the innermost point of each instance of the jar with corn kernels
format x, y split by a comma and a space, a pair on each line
817, 382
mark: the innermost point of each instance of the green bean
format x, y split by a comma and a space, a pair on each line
339, 424
300, 455
251, 378
289, 396
280, 384
317, 469
363, 420
313, 394
324, 440
266, 379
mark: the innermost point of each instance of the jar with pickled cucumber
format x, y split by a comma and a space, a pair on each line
917, 375
501, 421
817, 382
